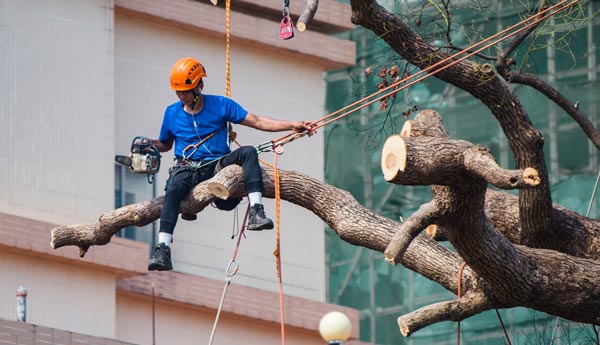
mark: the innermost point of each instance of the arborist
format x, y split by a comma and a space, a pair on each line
198, 126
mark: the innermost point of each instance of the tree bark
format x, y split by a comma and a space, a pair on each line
520, 250
503, 275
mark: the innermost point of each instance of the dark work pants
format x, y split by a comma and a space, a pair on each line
183, 179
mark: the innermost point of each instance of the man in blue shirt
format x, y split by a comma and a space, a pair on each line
198, 126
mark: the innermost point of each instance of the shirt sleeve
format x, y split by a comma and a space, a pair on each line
165, 133
235, 113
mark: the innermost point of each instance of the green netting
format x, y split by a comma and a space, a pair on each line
360, 278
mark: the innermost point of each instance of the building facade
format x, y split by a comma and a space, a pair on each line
80, 79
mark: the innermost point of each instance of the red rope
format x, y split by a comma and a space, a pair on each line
237, 246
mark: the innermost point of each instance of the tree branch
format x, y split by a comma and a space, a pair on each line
560, 100
479, 162
425, 215
308, 14
412, 161
457, 310
517, 40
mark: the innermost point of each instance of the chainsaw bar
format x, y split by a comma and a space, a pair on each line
124, 160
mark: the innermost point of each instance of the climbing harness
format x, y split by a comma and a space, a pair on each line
286, 28
194, 147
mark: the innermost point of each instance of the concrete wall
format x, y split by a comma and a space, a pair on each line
194, 326
264, 83
60, 295
56, 109
12, 332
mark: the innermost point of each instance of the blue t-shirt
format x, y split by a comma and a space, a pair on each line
189, 129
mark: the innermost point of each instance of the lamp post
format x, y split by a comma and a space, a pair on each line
335, 328
21, 304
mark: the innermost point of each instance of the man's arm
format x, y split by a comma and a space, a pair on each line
162, 147
272, 125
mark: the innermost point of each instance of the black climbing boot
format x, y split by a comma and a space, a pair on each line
161, 260
189, 216
257, 220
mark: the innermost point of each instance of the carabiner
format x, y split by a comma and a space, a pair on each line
184, 156
232, 268
267, 146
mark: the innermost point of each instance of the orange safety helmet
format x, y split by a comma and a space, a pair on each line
186, 74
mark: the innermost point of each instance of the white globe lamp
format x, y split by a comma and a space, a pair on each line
335, 328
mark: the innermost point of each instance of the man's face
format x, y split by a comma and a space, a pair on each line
188, 97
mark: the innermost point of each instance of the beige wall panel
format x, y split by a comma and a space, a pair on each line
59, 295
263, 83
175, 325
56, 109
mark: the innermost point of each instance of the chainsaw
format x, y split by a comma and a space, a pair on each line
144, 157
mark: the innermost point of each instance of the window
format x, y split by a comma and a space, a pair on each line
129, 189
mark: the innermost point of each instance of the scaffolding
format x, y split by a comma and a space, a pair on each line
361, 278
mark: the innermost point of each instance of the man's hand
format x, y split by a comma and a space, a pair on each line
302, 126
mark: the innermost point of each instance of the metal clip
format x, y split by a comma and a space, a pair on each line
278, 149
232, 268
267, 146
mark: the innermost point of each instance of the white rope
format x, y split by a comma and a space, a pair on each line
230, 272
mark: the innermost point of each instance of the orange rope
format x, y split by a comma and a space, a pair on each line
277, 197
227, 48
538, 17
277, 251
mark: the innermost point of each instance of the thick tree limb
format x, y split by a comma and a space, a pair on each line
413, 161
350, 220
513, 275
580, 236
456, 310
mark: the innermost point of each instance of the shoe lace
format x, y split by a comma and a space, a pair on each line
260, 211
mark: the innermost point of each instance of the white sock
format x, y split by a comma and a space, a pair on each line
255, 198
165, 237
